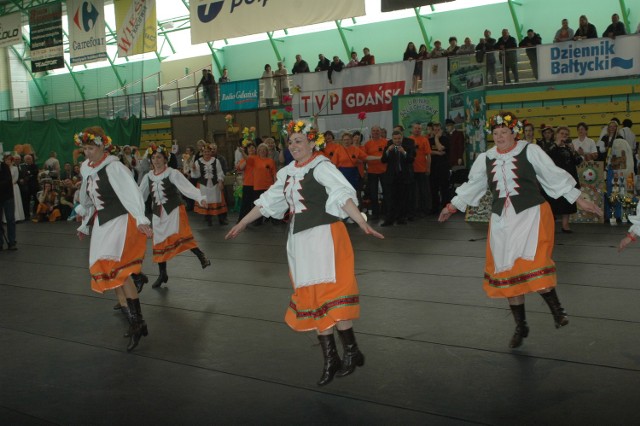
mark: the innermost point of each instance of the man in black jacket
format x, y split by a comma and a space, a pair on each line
508, 55
530, 42
398, 156
300, 66
323, 63
7, 206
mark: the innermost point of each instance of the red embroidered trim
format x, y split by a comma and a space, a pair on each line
306, 162
99, 162
173, 246
519, 279
325, 308
114, 272
508, 150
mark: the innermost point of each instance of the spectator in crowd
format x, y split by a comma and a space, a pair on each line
323, 63
564, 33
616, 28
300, 66
440, 169
269, 88
330, 146
7, 208
282, 81
188, 160
246, 167
375, 147
210, 174
346, 159
530, 42
48, 204
508, 55
208, 84
398, 156
584, 145
615, 151
585, 30
467, 47
383, 134
456, 141
336, 65
23, 186
437, 51
627, 133
368, 58
52, 165
30, 176
565, 157
354, 61
357, 137
417, 70
127, 159
485, 49
528, 131
548, 137
225, 76
67, 198
421, 165
264, 173
18, 210
453, 47
67, 171
606, 141
410, 53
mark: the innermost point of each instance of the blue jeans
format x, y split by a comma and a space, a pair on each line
8, 208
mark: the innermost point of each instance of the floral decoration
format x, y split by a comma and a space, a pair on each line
506, 120
312, 133
84, 138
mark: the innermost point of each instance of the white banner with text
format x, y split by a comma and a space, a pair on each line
218, 20
87, 42
591, 58
10, 29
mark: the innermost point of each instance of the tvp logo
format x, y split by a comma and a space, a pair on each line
209, 11
87, 14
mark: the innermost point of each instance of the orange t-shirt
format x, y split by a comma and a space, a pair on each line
329, 150
248, 171
375, 147
348, 157
264, 172
423, 148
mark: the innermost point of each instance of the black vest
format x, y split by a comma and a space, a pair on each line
527, 186
171, 194
202, 180
314, 197
112, 206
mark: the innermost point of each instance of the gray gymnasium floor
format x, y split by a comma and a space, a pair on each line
218, 351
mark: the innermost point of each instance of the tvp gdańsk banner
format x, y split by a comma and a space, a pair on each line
45, 23
87, 41
135, 26
217, 20
10, 29
591, 58
239, 95
369, 89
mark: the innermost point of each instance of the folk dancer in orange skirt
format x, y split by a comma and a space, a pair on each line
110, 198
321, 263
207, 170
171, 231
521, 229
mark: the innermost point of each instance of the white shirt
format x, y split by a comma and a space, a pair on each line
587, 144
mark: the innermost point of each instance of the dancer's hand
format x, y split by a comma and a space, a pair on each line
203, 204
370, 231
146, 230
625, 242
589, 206
80, 235
235, 231
445, 214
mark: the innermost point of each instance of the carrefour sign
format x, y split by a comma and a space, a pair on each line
592, 58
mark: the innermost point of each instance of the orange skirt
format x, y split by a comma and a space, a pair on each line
110, 274
320, 306
176, 243
212, 209
526, 276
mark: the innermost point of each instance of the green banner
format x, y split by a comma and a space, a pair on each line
54, 135
420, 108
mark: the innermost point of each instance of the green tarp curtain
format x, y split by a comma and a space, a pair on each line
56, 135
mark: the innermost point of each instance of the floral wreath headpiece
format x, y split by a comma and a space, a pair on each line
506, 120
248, 136
311, 134
86, 138
153, 148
